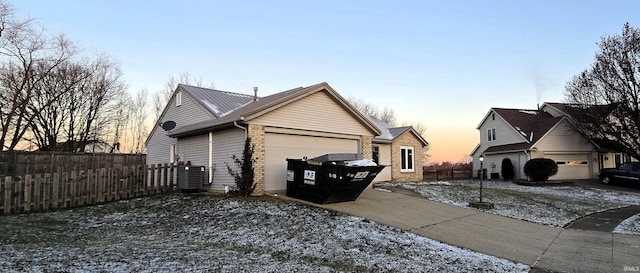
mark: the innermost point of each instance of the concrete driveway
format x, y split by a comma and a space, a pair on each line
632, 188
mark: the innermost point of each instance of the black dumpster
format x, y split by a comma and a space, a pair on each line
329, 178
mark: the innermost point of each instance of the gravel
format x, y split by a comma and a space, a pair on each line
197, 233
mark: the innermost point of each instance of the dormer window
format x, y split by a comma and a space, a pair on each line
491, 134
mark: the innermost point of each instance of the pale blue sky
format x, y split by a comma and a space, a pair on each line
441, 63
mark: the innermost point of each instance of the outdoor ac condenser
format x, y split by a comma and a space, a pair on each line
190, 177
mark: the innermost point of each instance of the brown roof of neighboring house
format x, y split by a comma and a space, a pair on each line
530, 124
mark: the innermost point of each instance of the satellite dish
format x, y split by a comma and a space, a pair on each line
168, 125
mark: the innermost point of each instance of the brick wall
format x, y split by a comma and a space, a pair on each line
406, 139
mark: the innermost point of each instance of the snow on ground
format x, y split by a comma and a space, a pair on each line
211, 234
630, 226
549, 205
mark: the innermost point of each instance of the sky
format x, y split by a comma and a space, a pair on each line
443, 64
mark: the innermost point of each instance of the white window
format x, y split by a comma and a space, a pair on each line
406, 159
491, 134
172, 153
179, 99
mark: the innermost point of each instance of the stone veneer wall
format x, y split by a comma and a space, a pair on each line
367, 150
256, 134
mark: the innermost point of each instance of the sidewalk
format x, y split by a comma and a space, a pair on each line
541, 247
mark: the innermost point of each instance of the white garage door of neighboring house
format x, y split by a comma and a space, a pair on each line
279, 147
571, 166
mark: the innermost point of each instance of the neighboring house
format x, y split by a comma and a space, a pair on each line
211, 127
521, 135
399, 148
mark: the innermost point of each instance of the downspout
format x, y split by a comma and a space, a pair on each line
212, 167
246, 132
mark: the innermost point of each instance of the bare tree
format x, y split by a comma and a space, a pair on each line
386, 114
27, 56
606, 96
138, 118
50, 104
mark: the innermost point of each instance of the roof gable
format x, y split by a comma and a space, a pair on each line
530, 124
390, 133
256, 108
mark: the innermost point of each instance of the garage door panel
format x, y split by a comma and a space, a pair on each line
279, 147
571, 166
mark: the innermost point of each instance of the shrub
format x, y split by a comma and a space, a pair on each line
540, 169
244, 177
507, 169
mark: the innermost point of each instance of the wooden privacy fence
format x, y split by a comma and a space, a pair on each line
21, 163
430, 174
50, 191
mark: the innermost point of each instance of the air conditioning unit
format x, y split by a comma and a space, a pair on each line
190, 177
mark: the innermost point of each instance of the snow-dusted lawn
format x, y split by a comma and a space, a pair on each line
550, 205
630, 226
189, 233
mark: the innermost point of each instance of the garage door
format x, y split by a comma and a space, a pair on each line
571, 166
279, 147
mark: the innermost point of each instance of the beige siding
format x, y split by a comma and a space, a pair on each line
384, 159
562, 139
279, 147
505, 134
317, 112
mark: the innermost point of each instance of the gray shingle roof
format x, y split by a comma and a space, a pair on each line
389, 133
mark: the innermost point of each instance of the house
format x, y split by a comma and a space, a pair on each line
399, 148
207, 127
521, 135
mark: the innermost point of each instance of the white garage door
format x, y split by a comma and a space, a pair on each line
571, 166
279, 147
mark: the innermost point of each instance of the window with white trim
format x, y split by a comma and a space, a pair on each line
406, 159
491, 134
179, 99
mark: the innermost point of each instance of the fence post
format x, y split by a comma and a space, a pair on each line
37, 192
165, 175
152, 178
17, 193
46, 193
27, 193
171, 181
86, 187
158, 187
73, 190
55, 197
7, 194
65, 189
99, 182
